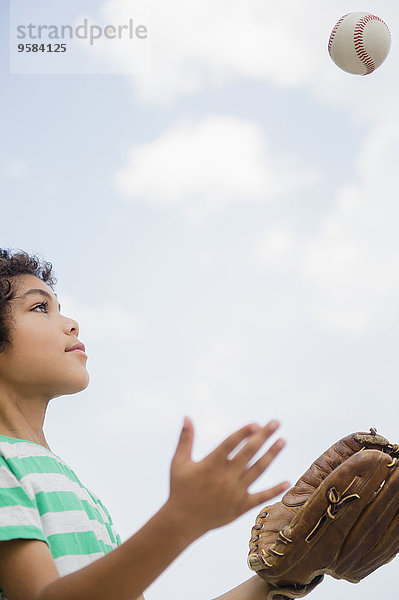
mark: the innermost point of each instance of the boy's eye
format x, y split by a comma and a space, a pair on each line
42, 305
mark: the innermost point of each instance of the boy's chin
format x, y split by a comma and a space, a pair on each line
78, 385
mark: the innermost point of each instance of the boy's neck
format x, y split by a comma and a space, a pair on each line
24, 434
23, 419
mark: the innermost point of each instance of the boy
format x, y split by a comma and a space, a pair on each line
57, 540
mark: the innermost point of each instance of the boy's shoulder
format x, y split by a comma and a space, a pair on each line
16, 453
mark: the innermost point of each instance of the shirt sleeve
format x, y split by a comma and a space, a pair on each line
19, 515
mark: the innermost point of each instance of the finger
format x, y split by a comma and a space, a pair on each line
264, 461
254, 443
266, 495
231, 442
185, 443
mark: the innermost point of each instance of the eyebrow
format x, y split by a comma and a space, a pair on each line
42, 293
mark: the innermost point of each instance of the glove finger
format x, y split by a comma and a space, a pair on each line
384, 551
381, 555
371, 530
330, 460
344, 494
310, 543
379, 561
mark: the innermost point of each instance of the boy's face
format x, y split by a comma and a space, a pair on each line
36, 363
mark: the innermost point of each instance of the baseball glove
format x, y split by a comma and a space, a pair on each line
341, 518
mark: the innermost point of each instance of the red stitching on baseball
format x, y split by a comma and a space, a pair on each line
334, 31
359, 41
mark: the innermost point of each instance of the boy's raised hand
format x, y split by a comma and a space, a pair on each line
214, 491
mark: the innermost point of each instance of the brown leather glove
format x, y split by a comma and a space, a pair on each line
341, 518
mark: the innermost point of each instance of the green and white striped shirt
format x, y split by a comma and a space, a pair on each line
41, 498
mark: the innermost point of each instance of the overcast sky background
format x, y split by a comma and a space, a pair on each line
224, 229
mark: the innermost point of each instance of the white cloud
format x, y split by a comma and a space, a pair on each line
208, 164
276, 247
207, 43
352, 264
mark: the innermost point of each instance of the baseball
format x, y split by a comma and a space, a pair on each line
359, 43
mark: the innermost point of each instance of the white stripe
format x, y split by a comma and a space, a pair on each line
19, 516
26, 450
53, 522
7, 479
34, 483
49, 482
71, 521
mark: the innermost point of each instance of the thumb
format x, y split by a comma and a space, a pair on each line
185, 443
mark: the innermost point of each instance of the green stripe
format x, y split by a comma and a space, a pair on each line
110, 532
13, 496
61, 501
21, 531
43, 464
50, 502
80, 542
10, 439
39, 464
62, 544
105, 510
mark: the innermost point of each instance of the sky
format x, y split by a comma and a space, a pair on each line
223, 226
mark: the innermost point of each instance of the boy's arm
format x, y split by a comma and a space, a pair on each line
130, 568
204, 495
252, 589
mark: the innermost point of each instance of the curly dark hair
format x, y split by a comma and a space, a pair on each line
12, 265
